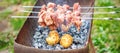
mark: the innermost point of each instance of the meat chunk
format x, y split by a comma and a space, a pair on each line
76, 6
76, 13
42, 24
61, 17
41, 19
43, 7
68, 17
50, 10
48, 20
52, 27
51, 5
77, 22
66, 7
65, 28
42, 10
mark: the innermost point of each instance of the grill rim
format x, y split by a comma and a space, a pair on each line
20, 45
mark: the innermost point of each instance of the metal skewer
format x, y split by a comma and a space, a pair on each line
72, 7
24, 17
106, 18
113, 12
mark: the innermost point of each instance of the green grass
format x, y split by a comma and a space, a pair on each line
105, 33
7, 37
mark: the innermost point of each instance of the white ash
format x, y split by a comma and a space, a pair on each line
79, 37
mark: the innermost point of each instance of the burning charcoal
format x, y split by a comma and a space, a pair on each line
72, 29
85, 31
46, 28
76, 39
73, 46
39, 40
69, 33
68, 48
79, 46
52, 48
61, 47
34, 41
45, 32
35, 37
49, 47
61, 33
82, 36
36, 45
39, 45
57, 47
37, 33
81, 41
43, 46
38, 28
85, 25
59, 29
41, 36
78, 33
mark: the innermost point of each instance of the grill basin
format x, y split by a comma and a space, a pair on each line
23, 42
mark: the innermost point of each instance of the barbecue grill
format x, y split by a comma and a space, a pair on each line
23, 42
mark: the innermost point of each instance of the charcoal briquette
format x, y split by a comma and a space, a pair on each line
79, 37
73, 46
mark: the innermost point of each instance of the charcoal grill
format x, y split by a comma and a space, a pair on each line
23, 42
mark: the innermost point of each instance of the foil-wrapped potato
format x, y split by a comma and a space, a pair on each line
53, 37
66, 40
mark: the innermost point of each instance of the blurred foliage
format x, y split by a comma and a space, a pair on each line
105, 33
10, 9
